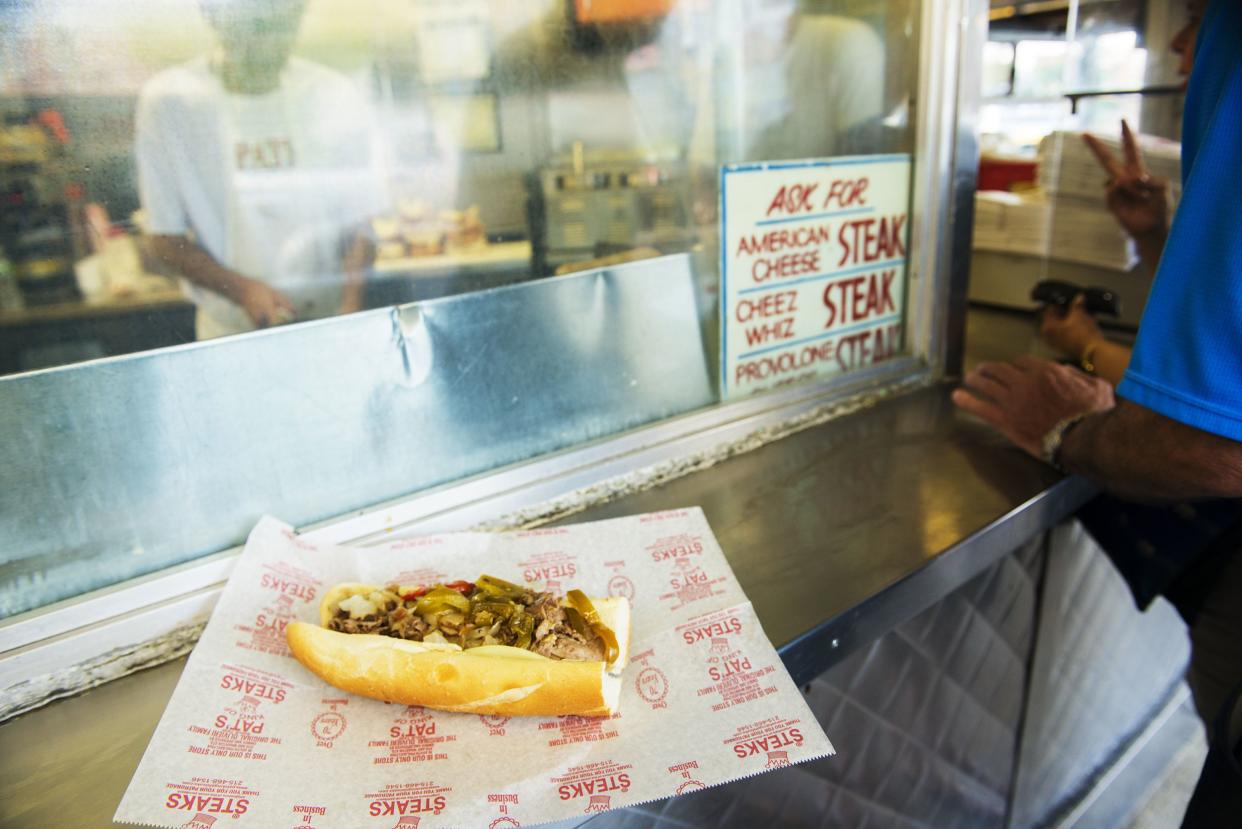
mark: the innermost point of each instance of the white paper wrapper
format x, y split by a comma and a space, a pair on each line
251, 738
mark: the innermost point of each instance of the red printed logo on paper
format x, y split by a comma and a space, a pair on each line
405, 800
711, 628
655, 517
414, 543
494, 723
593, 780
502, 803
771, 738
685, 774
413, 737
209, 797
267, 633
675, 547
550, 569
650, 682
253, 682
308, 813
288, 580
199, 822
652, 686
236, 731
328, 725
620, 584
598, 803
734, 676
421, 577
688, 582
777, 759
580, 729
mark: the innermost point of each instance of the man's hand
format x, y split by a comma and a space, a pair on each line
264, 304
1069, 331
1026, 398
1139, 201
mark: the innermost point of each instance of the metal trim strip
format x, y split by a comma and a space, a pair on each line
464, 503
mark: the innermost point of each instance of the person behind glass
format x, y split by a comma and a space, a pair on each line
833, 69
253, 170
1173, 429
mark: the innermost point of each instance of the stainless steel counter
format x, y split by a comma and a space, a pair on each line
837, 534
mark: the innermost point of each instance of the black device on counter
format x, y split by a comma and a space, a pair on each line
1061, 294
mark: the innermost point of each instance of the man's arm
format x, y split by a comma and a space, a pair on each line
1124, 448
262, 303
1076, 334
1151, 246
1136, 453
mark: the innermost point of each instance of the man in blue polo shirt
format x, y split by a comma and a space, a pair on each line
1174, 430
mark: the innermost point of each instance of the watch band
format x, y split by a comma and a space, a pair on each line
1051, 444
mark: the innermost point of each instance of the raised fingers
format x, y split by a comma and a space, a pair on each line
1103, 155
1134, 156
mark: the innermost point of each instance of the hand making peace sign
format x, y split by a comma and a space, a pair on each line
1139, 201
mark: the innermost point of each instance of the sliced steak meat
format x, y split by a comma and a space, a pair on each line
546, 606
367, 624
409, 626
548, 613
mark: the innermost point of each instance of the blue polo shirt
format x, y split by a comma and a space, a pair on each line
1187, 363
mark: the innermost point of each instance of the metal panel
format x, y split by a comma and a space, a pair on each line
124, 466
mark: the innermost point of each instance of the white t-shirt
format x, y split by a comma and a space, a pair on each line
833, 81
270, 185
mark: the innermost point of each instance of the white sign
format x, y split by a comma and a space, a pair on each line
813, 268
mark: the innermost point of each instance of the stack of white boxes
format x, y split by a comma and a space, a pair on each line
1063, 229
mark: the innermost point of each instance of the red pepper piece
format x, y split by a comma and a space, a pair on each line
463, 587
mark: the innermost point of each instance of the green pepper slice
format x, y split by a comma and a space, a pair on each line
523, 624
440, 599
494, 587
578, 601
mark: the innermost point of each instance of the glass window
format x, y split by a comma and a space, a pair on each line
182, 170
188, 169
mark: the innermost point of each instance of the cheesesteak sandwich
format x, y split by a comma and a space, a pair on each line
483, 647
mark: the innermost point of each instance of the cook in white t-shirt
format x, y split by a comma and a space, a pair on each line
255, 172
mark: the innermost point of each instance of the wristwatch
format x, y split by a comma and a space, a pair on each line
1050, 446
